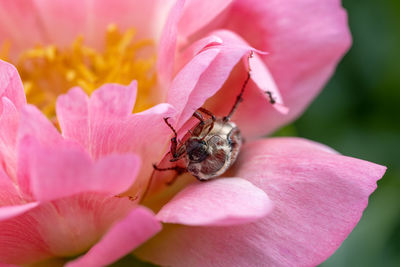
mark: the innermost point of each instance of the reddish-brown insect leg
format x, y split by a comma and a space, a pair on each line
200, 126
239, 98
209, 113
174, 142
213, 118
179, 170
271, 98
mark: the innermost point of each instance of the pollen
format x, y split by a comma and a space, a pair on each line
48, 71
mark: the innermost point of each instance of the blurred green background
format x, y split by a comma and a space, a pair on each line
358, 114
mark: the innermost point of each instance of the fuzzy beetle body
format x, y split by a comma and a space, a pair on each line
211, 153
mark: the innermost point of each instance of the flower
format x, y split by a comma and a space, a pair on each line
286, 201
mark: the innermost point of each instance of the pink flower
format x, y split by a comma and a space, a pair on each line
286, 201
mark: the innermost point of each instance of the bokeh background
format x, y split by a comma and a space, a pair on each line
358, 114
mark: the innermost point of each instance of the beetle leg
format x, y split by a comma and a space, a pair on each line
239, 98
213, 118
209, 113
175, 168
174, 142
199, 128
179, 170
179, 153
271, 98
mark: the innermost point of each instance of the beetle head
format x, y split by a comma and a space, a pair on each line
197, 150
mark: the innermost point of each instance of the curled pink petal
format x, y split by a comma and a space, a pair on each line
265, 82
127, 234
259, 72
210, 81
225, 201
318, 198
195, 48
187, 79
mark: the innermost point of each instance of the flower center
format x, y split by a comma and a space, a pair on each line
48, 71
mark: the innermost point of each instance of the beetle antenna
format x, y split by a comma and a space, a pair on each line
239, 98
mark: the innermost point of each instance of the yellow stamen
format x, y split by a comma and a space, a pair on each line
48, 71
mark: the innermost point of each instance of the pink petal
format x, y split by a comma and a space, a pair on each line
219, 202
9, 120
127, 234
211, 81
65, 170
304, 39
145, 134
259, 71
256, 102
11, 203
9, 194
195, 48
167, 44
254, 105
18, 17
186, 80
62, 228
108, 105
107, 125
195, 90
198, 13
61, 21
34, 124
265, 82
11, 85
113, 100
20, 240
72, 115
7, 212
318, 198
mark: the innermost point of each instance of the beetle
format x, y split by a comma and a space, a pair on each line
211, 147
